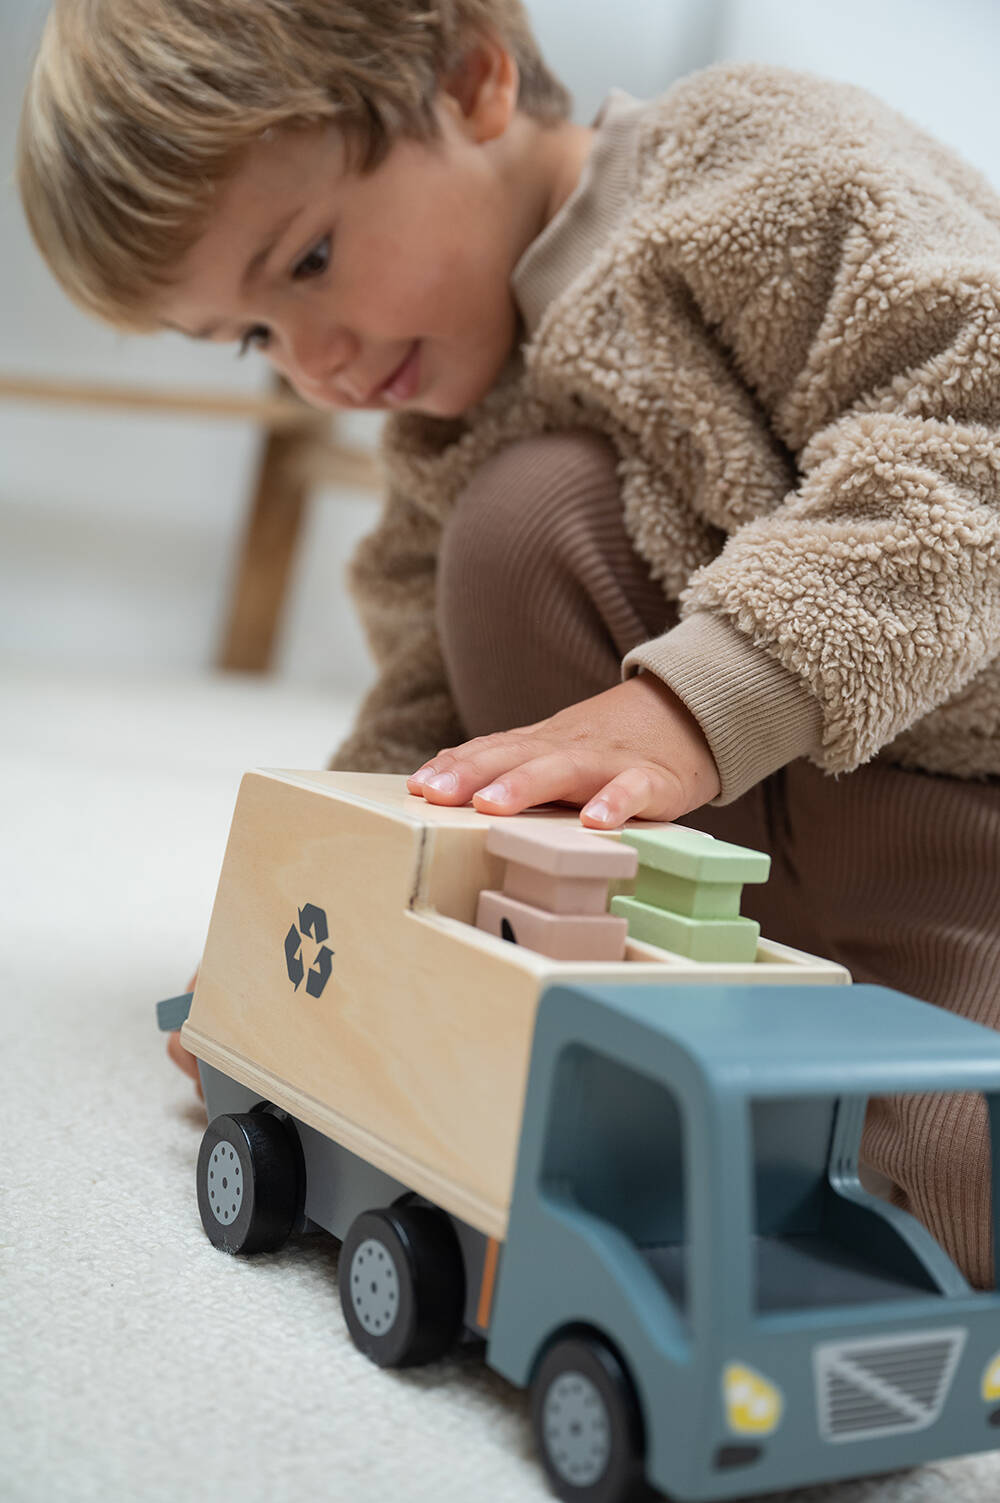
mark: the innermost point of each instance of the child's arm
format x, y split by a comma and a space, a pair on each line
634, 750
807, 357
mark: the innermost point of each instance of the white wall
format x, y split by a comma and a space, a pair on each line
936, 62
638, 45
117, 534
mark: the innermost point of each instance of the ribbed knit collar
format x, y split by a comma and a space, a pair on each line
593, 210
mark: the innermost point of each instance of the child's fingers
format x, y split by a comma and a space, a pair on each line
636, 793
635, 742
646, 791
453, 777
449, 757
538, 780
506, 779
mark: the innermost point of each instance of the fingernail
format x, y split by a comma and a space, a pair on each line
443, 782
421, 776
495, 793
598, 810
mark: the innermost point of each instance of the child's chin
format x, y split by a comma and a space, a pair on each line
453, 402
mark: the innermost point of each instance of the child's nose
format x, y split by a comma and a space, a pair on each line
319, 354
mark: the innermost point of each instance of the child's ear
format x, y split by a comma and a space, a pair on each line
482, 89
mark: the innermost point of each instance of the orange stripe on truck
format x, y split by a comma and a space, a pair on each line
489, 1279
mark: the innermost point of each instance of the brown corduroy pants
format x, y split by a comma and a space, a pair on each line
894, 874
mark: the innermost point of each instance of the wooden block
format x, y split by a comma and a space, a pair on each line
561, 936
713, 940
697, 857
561, 852
556, 894
708, 900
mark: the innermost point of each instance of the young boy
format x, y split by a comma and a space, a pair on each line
704, 398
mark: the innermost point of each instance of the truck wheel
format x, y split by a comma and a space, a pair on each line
587, 1424
402, 1284
250, 1181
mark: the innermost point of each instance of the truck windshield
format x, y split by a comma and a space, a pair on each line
818, 1239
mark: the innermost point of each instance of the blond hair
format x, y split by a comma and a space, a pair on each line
137, 110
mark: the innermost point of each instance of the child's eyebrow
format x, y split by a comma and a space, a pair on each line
259, 257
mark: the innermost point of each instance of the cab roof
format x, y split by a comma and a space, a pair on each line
782, 1040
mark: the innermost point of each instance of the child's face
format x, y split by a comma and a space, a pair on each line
379, 291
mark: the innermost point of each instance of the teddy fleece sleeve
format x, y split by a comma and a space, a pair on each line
408, 714
868, 600
855, 288
877, 584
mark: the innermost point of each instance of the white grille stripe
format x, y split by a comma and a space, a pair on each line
891, 1396
869, 1388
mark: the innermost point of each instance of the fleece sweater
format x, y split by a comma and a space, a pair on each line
778, 299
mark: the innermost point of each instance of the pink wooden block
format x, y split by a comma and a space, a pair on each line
561, 852
557, 894
560, 936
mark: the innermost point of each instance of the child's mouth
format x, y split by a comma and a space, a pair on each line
405, 379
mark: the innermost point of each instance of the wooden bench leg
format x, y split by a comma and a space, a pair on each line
296, 459
266, 557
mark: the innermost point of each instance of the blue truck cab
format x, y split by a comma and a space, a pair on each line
688, 1218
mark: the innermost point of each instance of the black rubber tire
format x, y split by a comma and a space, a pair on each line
588, 1429
257, 1157
402, 1284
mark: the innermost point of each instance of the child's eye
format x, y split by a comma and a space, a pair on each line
257, 337
314, 262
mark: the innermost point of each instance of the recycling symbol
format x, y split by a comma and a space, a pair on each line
312, 924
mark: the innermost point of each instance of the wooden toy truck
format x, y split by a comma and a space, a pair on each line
636, 1179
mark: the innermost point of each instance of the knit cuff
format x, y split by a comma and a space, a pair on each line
754, 714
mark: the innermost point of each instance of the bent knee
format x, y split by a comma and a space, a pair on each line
529, 496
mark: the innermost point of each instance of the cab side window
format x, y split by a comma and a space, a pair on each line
617, 1148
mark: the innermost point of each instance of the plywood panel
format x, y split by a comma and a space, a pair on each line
413, 1051
417, 1040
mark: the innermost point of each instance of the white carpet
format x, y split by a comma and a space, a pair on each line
136, 1362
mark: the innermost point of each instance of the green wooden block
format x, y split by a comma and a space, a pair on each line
714, 941
689, 854
707, 900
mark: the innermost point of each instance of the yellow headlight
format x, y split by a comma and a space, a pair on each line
991, 1380
753, 1405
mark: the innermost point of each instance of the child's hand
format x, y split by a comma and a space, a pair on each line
633, 750
183, 1058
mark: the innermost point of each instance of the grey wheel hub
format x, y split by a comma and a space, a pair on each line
225, 1183
374, 1286
577, 1429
